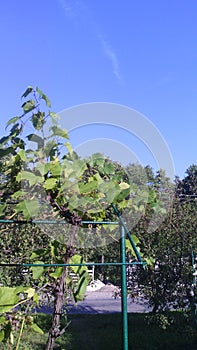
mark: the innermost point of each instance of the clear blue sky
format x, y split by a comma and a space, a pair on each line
139, 53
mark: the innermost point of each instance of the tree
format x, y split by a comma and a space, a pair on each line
188, 186
167, 281
41, 180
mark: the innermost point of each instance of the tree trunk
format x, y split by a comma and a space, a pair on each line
58, 304
59, 291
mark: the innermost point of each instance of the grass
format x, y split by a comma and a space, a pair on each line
103, 332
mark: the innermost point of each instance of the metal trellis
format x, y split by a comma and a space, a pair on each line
124, 232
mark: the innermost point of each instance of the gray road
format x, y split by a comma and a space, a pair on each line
105, 306
102, 301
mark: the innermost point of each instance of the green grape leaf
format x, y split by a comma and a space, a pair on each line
88, 187
37, 271
2, 336
69, 147
54, 117
38, 120
44, 97
124, 185
36, 298
28, 208
28, 176
36, 328
28, 106
50, 183
9, 297
59, 132
35, 138
82, 284
22, 154
12, 121
27, 91
57, 273
109, 168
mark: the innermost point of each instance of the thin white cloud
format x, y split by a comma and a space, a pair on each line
109, 52
73, 9
69, 7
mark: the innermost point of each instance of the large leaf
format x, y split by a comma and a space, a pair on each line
2, 208
43, 168
36, 298
50, 183
54, 117
36, 328
2, 336
124, 185
44, 97
28, 106
120, 196
158, 207
38, 120
7, 151
110, 189
88, 187
83, 279
29, 291
59, 132
4, 140
37, 271
29, 208
35, 138
98, 157
27, 91
10, 297
98, 178
130, 248
56, 168
28, 176
69, 147
57, 273
22, 154
77, 259
16, 130
12, 121
2, 319
73, 202
82, 284
109, 168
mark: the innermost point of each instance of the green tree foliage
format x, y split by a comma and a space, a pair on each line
188, 186
167, 281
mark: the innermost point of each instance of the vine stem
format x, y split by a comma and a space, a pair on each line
20, 334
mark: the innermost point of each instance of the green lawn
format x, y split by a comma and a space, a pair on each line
103, 332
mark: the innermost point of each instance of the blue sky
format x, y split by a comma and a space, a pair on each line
141, 54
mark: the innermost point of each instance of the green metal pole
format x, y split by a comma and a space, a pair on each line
123, 289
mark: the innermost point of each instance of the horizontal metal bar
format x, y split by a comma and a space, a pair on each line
59, 222
82, 264
101, 222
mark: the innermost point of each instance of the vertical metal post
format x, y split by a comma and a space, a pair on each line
123, 289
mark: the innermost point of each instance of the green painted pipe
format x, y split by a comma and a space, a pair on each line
59, 222
82, 264
123, 290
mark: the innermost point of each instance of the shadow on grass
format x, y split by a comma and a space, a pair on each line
104, 332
